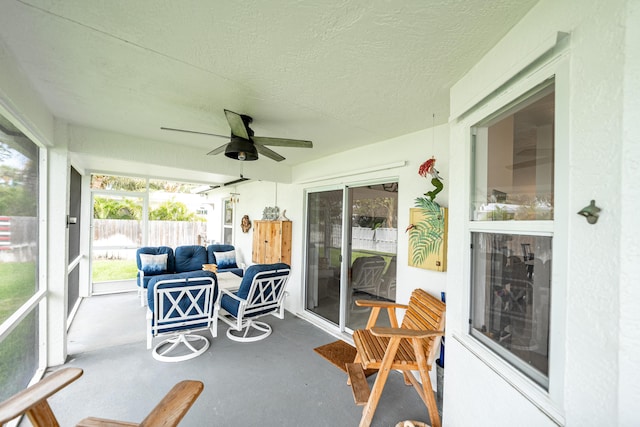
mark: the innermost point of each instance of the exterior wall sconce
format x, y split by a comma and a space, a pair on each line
590, 212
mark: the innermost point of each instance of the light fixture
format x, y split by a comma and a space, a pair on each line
241, 149
590, 212
235, 198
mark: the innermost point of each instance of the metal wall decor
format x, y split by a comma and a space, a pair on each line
271, 213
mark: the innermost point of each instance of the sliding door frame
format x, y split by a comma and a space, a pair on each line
345, 250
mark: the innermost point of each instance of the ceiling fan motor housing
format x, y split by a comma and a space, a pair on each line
241, 149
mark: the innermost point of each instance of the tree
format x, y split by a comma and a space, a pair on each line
173, 211
110, 208
16, 201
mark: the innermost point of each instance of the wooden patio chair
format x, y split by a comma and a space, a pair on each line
411, 347
32, 401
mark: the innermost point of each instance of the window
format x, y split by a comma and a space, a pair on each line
512, 232
19, 259
227, 222
129, 212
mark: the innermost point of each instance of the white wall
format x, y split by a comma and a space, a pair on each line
24, 106
596, 327
629, 356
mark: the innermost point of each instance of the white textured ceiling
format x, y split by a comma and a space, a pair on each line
340, 73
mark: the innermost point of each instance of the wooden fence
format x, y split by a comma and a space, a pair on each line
19, 239
114, 239
363, 238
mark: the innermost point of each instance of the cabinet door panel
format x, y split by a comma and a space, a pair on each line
271, 242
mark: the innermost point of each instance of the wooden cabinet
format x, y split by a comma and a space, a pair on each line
271, 242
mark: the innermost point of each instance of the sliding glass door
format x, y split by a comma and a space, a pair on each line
351, 251
324, 243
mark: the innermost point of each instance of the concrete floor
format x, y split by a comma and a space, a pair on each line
279, 381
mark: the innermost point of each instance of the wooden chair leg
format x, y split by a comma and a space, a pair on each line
426, 393
381, 379
407, 379
41, 415
357, 359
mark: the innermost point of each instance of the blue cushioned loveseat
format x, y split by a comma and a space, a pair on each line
161, 260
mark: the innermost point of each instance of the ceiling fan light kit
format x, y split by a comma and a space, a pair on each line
243, 145
241, 149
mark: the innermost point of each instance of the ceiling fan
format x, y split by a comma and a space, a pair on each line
244, 145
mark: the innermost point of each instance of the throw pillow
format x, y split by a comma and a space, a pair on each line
153, 264
226, 259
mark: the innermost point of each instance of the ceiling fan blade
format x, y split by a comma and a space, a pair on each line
237, 125
193, 131
218, 150
282, 142
268, 152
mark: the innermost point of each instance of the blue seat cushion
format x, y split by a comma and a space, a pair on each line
190, 258
231, 305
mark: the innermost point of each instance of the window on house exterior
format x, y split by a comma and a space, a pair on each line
511, 228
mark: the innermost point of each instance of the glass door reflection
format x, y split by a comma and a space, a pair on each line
373, 235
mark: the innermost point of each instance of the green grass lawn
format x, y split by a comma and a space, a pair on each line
106, 270
17, 286
18, 351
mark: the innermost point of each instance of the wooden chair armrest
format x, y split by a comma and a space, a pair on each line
26, 399
175, 405
171, 409
404, 333
381, 304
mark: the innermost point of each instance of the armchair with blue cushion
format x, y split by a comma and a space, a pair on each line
261, 293
152, 261
224, 256
180, 304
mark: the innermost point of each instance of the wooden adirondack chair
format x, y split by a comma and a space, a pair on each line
32, 401
411, 347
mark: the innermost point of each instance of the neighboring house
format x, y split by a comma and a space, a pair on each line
591, 50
